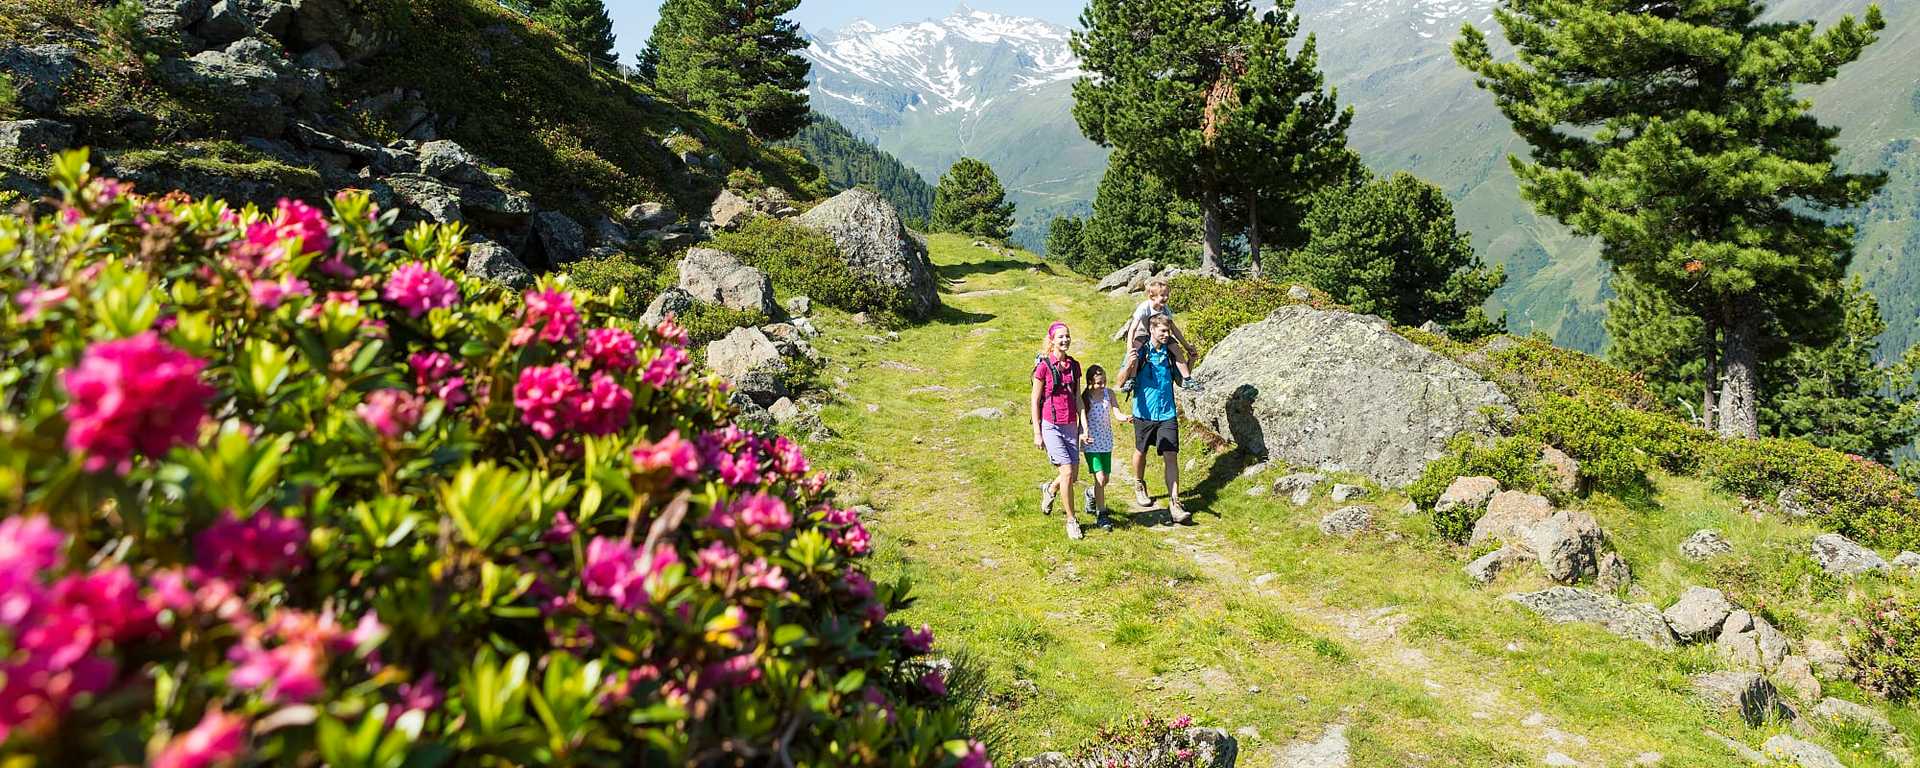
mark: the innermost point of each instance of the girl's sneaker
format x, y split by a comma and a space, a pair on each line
1104, 521
1048, 490
1073, 529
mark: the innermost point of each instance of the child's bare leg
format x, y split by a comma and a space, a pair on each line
1099, 490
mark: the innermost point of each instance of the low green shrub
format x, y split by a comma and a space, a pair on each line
706, 323
802, 261
746, 179
9, 96
1147, 742
1514, 461
1859, 498
1209, 309
1883, 647
1617, 446
636, 283
1527, 367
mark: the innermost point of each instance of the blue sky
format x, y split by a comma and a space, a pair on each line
633, 19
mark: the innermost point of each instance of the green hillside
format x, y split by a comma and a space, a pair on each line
849, 161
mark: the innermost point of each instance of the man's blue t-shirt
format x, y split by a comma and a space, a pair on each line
1153, 385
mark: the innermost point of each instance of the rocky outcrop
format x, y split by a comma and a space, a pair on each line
1131, 278
1705, 545
878, 246
1563, 605
32, 139
1509, 514
39, 73
1347, 522
1839, 556
1787, 750
1562, 471
716, 277
1338, 391
751, 363
492, 261
1746, 694
1698, 614
1470, 492
1751, 642
1485, 568
671, 301
1568, 545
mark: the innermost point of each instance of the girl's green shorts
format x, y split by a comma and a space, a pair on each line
1100, 462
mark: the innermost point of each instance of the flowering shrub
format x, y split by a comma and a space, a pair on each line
278, 488
1148, 742
1883, 647
1857, 497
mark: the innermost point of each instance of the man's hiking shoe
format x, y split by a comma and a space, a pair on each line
1104, 521
1047, 491
1073, 529
1140, 496
1179, 513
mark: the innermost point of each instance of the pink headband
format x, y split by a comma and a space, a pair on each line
1051, 328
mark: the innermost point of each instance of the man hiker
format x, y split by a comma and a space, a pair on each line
1156, 420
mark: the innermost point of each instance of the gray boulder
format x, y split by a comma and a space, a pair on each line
671, 301
1508, 517
1843, 711
1472, 492
1828, 660
1489, 566
1342, 492
1562, 605
1705, 544
25, 139
717, 277
1124, 277
604, 232
1347, 522
1907, 562
1747, 694
1615, 575
1298, 486
353, 32
437, 201
1698, 614
1795, 675
558, 239
163, 17
650, 216
1751, 641
729, 211
1562, 470
324, 58
1839, 556
39, 73
799, 306
750, 362
224, 23
877, 246
1299, 293
1338, 391
1568, 545
445, 160
489, 260
1787, 750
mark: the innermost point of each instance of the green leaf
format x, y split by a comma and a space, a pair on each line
485, 501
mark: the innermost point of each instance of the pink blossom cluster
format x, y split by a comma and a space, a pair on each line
34, 300
57, 631
436, 374
666, 365
552, 401
612, 349
417, 288
269, 294
391, 412
671, 453
753, 515
292, 220
846, 531
619, 571
548, 316
219, 739
133, 396
261, 546
285, 658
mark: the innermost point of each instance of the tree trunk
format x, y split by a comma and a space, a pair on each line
1711, 340
1740, 389
1253, 235
1210, 242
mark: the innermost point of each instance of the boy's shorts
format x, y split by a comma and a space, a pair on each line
1062, 442
1101, 462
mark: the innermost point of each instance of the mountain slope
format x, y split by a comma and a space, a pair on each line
974, 84
850, 161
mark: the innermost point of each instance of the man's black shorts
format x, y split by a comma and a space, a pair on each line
1163, 436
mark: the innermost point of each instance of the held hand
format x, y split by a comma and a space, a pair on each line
1086, 439
1038, 442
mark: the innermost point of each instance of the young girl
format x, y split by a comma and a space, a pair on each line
1102, 410
1057, 413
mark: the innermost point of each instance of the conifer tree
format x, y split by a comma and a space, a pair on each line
1204, 94
1136, 216
585, 25
1670, 129
732, 58
969, 200
1063, 241
1389, 247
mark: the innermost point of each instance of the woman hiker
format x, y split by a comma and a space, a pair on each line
1058, 412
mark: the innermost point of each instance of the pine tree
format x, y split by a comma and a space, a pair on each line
1667, 346
1136, 216
1204, 94
1836, 396
1389, 247
970, 201
585, 25
1063, 241
1670, 129
732, 58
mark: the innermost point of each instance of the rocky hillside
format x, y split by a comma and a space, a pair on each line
448, 110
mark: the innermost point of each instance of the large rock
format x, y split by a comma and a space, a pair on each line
1705, 544
1124, 277
1562, 470
1347, 522
876, 245
559, 238
489, 260
1509, 515
751, 362
1752, 642
1698, 614
729, 211
717, 277
1563, 605
671, 301
1787, 750
436, 200
353, 31
1615, 575
1338, 391
24, 139
1839, 556
1489, 566
650, 215
1747, 694
445, 160
39, 73
1795, 675
1568, 545
1471, 492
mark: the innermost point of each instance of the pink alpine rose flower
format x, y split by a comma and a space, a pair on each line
219, 739
612, 348
270, 293
935, 683
33, 300
292, 220
435, 375
545, 395
263, 545
976, 756
671, 453
665, 367
604, 408
550, 317
417, 288
391, 412
133, 396
918, 640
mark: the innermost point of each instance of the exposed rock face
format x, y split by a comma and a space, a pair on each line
1489, 566
1615, 575
1750, 641
1839, 556
1347, 522
1745, 693
1795, 674
1568, 545
1473, 492
446, 160
751, 362
729, 211
1509, 514
717, 277
1570, 604
1797, 503
1787, 750
1561, 469
23, 139
39, 72
1338, 391
1705, 545
1698, 614
1342, 492
493, 261
877, 245
1124, 277
671, 301
1907, 562
561, 240
650, 215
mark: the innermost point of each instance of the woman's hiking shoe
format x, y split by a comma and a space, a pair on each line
1140, 496
1179, 513
1048, 490
1073, 529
